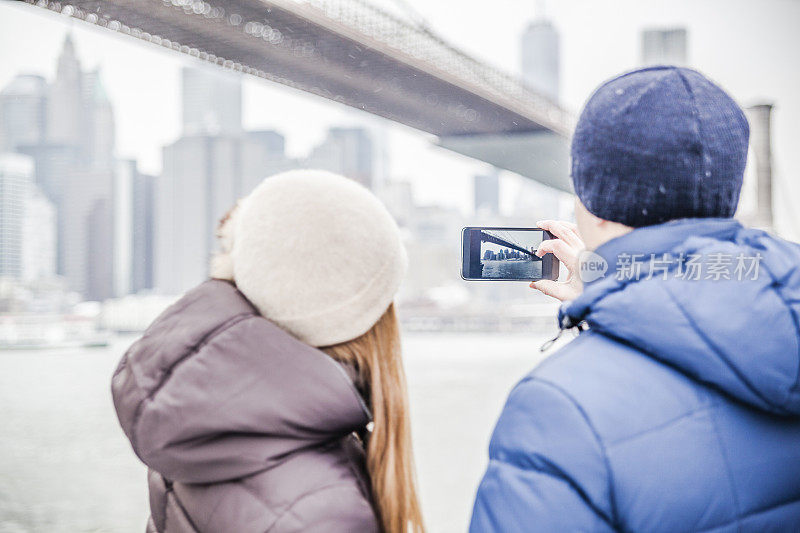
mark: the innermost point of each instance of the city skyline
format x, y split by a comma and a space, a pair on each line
595, 46
341, 140
216, 161
114, 226
65, 128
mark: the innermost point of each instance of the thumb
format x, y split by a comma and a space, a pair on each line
558, 290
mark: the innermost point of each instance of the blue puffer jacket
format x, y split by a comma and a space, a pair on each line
677, 410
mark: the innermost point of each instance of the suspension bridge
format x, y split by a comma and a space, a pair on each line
508, 243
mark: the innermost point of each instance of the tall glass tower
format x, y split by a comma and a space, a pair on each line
212, 102
665, 46
541, 56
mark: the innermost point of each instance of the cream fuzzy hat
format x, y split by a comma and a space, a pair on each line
316, 253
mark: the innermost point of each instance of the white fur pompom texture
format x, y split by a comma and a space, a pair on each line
318, 254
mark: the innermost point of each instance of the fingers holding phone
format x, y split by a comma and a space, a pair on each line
566, 246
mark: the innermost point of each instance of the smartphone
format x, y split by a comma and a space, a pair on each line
505, 254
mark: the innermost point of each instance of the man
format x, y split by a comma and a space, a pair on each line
677, 408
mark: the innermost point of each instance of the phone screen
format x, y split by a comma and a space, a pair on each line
505, 254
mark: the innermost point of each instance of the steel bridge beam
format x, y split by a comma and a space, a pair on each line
354, 54
501, 242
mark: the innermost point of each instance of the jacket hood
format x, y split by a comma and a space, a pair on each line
213, 391
738, 335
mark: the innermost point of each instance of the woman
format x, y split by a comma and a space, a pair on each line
272, 397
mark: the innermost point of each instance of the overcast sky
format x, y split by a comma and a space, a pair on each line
751, 48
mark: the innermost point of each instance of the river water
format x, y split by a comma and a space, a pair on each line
511, 269
65, 465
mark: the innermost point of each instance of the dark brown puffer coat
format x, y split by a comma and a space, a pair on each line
244, 428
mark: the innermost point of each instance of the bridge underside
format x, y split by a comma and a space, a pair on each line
542, 155
502, 242
299, 46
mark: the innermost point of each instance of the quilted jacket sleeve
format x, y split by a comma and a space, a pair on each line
547, 468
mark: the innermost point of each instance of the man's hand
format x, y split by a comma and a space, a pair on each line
566, 247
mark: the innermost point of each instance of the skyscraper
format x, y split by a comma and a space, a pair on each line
398, 197
23, 109
206, 170
122, 209
80, 127
67, 127
346, 151
759, 117
212, 102
263, 154
487, 193
99, 250
665, 46
99, 127
541, 56
38, 238
16, 176
201, 180
133, 213
65, 119
53, 164
143, 215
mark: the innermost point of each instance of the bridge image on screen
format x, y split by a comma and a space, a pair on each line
510, 254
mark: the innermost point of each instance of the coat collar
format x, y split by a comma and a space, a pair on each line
657, 239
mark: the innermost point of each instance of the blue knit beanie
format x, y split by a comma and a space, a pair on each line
658, 144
